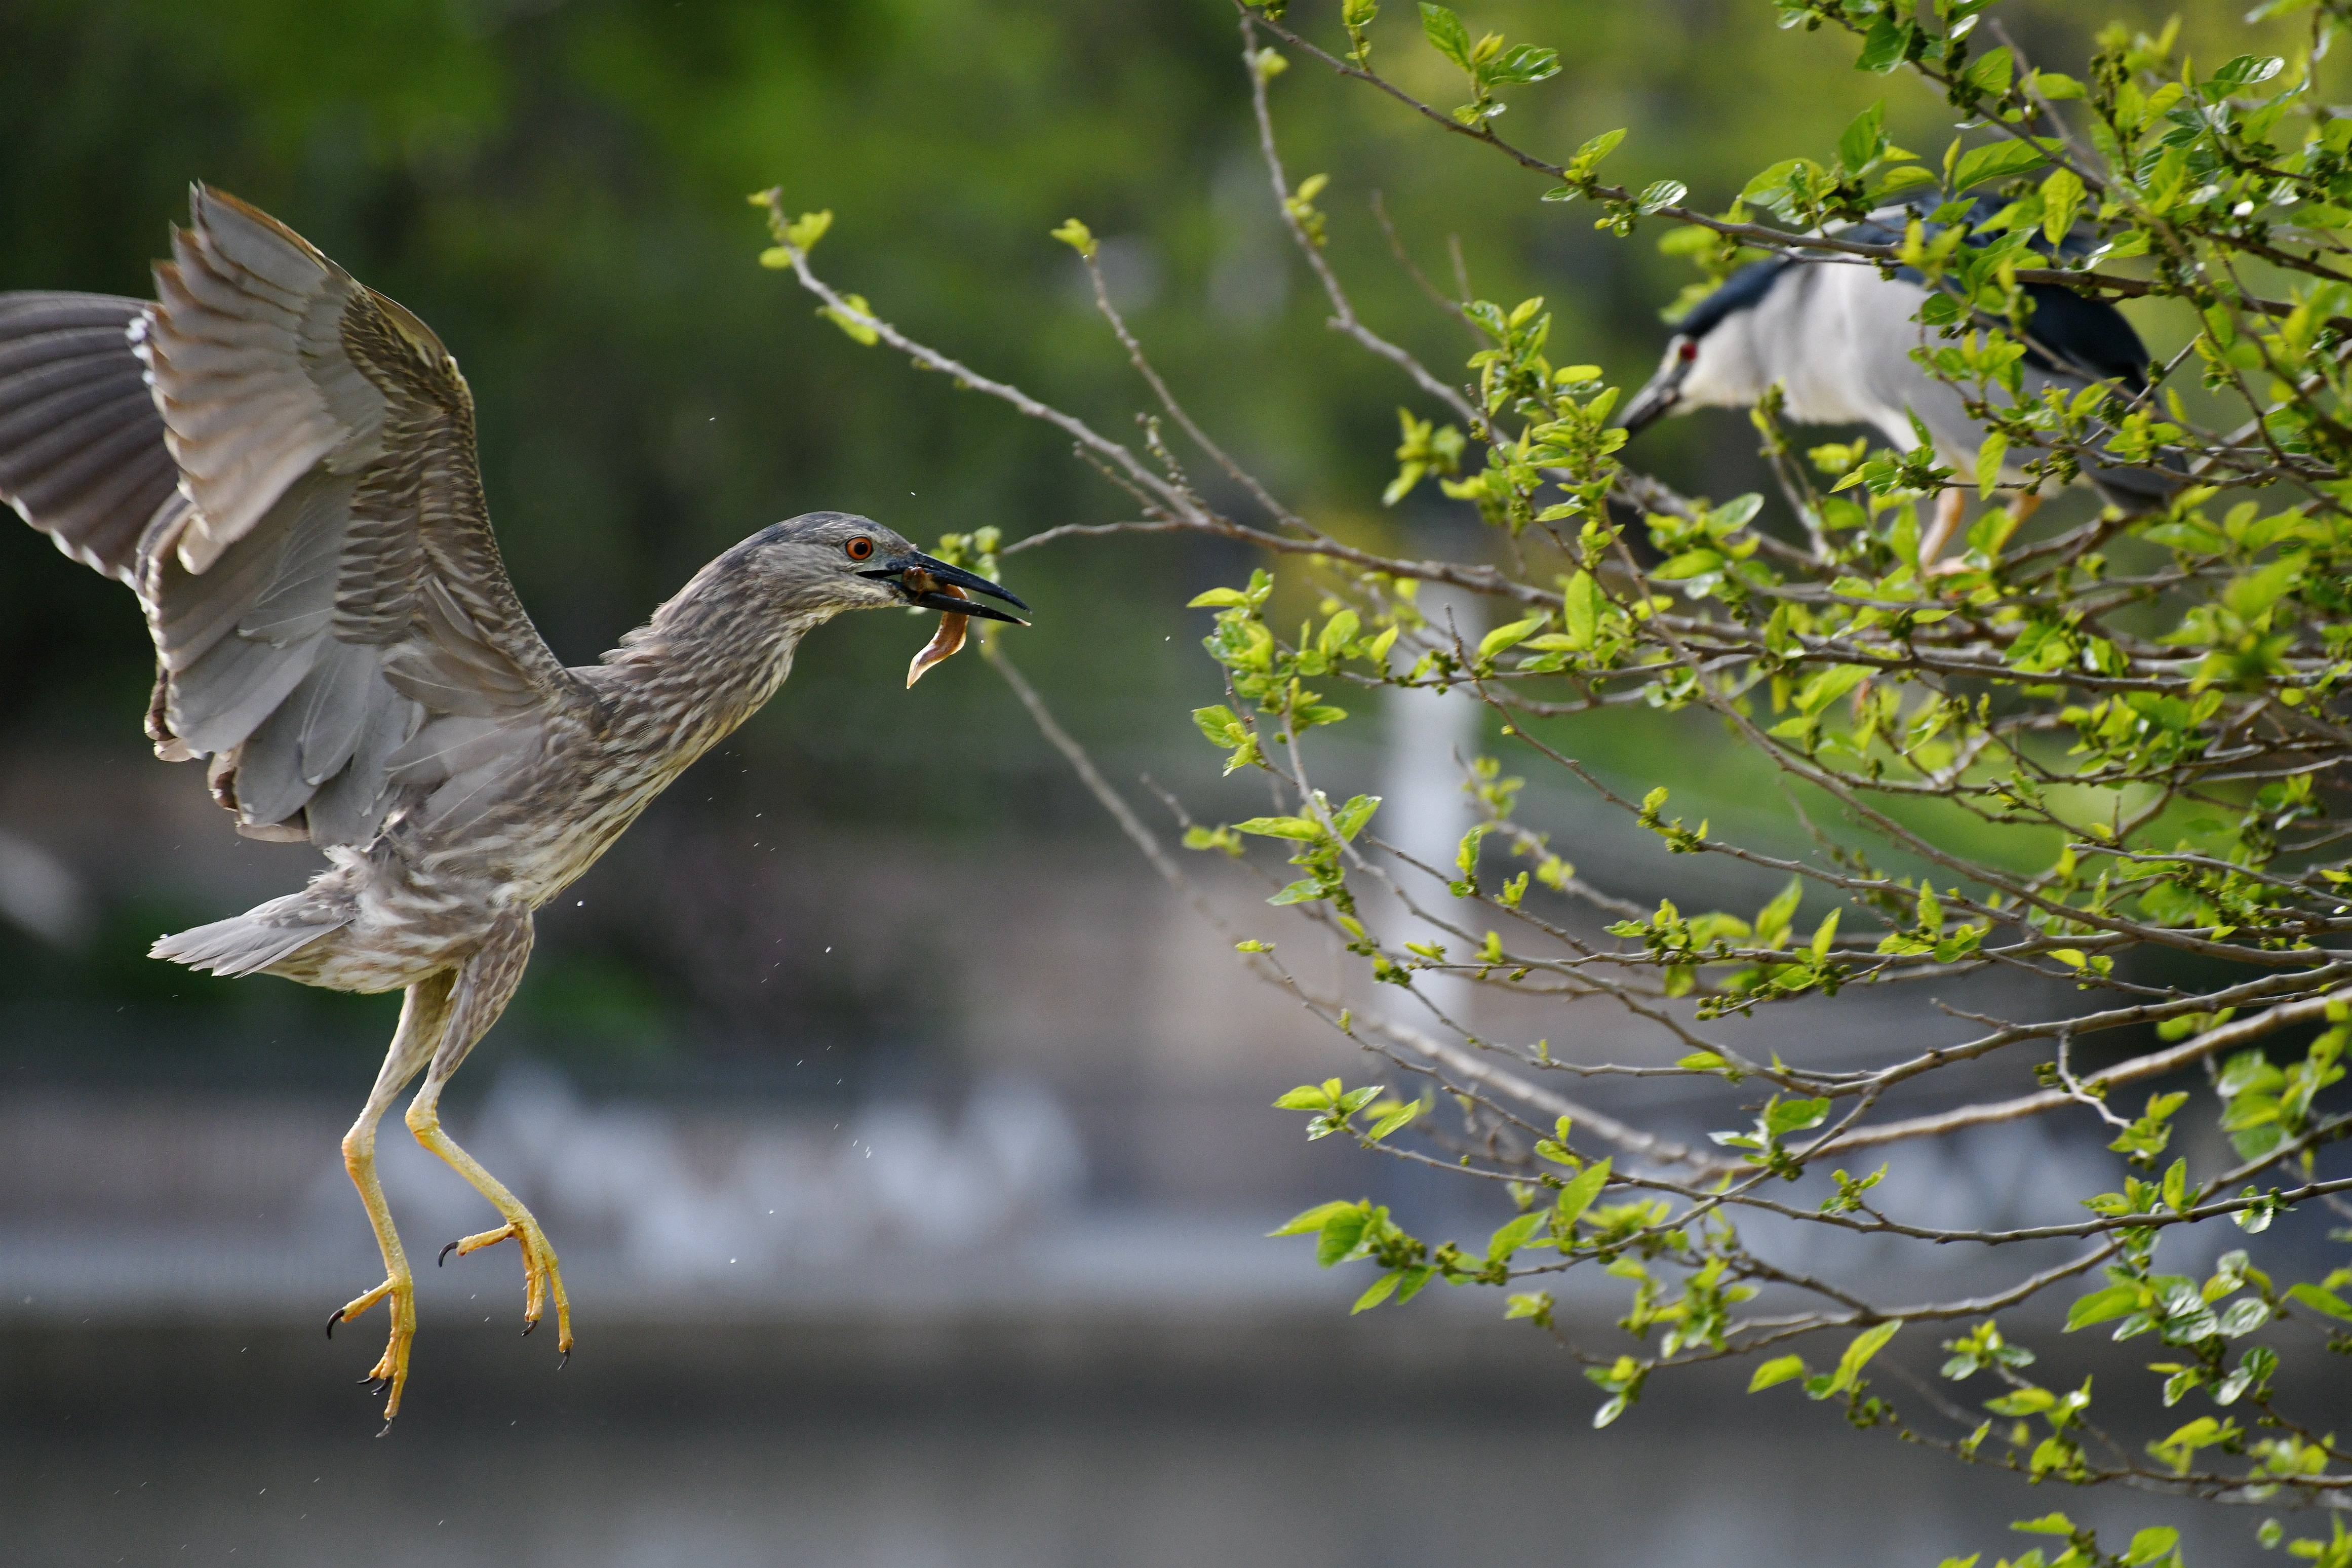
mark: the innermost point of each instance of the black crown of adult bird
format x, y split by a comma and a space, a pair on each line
281, 462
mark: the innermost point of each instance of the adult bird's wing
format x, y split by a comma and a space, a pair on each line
281, 461
2071, 334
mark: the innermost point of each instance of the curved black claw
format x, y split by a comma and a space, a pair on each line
333, 1318
446, 1252
375, 1385
528, 1324
564, 1362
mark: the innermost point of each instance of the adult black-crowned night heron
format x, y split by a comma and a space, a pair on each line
1838, 337
281, 461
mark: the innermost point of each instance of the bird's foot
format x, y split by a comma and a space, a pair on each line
542, 1277
390, 1375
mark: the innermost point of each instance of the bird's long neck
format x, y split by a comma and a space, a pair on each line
708, 660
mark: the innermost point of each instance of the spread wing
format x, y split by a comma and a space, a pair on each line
281, 462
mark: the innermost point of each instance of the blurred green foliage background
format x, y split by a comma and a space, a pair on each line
558, 186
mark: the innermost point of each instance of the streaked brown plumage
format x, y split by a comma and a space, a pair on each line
281, 462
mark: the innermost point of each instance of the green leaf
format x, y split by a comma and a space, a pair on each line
1505, 637
1350, 820
2257, 591
1394, 1120
1773, 921
1305, 1097
858, 326
1828, 686
1689, 563
2243, 1316
1446, 33
1995, 161
2176, 1186
1079, 238
1898, 180
803, 233
1521, 63
1217, 599
2023, 1402
2101, 1305
1302, 829
1599, 147
1786, 1116
1576, 1195
1862, 137
1659, 193
1866, 1344
2062, 198
1824, 934
2321, 1299
1886, 44
1313, 1219
1510, 1237
1341, 1233
1219, 723
1338, 633
2147, 1545
1581, 604
1989, 461
2048, 1524
1991, 73
1779, 1369
1377, 1291
2246, 71
1536, 1304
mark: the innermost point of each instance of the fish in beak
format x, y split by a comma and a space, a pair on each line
1664, 391
929, 582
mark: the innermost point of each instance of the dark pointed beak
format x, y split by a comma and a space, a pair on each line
920, 577
1654, 402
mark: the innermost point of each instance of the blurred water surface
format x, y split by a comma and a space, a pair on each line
1124, 1440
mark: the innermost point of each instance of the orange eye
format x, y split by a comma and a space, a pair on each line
860, 548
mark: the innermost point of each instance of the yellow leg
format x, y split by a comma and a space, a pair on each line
390, 1374
422, 1017
479, 994
1949, 507
2023, 507
542, 1275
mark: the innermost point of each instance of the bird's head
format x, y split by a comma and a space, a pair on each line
1662, 393
1711, 362
827, 561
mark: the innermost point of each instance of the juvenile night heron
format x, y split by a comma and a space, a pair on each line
281, 462
1837, 337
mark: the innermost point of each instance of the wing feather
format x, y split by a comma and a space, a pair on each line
71, 387
282, 462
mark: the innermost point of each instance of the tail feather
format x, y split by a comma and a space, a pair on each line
252, 941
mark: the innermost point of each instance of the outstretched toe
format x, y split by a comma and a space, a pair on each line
542, 1275
390, 1374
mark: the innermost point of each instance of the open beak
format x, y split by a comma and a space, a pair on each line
1656, 400
921, 578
